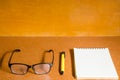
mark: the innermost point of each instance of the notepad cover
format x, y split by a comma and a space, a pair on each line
94, 63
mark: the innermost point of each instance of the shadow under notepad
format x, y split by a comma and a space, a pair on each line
72, 62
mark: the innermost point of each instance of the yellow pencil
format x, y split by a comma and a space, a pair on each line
62, 62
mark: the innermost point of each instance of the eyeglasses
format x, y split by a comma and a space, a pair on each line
20, 68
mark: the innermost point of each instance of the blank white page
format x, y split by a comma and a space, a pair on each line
94, 63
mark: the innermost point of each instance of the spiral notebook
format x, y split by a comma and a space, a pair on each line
94, 63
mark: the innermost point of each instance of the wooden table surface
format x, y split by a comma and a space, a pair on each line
32, 47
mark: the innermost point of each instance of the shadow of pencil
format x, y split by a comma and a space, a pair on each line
72, 62
2, 67
59, 64
60, 72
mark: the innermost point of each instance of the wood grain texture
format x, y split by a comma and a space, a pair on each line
33, 47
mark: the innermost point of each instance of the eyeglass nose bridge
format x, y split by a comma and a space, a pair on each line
30, 68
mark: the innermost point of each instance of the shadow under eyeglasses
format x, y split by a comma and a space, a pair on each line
45, 58
3, 63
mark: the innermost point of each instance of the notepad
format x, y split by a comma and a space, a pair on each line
94, 63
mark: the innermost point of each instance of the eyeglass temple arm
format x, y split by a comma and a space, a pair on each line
16, 50
53, 56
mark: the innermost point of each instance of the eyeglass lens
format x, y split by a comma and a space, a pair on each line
19, 69
41, 68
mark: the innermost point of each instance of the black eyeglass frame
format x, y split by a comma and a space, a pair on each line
29, 66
